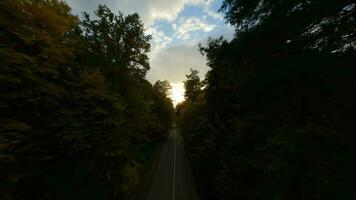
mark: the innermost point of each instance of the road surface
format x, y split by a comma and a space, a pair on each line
172, 179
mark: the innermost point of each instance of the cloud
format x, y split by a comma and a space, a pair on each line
149, 10
159, 39
172, 54
207, 9
173, 63
213, 14
174, 26
193, 24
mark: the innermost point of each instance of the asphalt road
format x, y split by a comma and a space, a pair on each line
172, 179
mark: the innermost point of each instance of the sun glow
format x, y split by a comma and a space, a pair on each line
177, 94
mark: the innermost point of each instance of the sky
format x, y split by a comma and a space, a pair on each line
177, 27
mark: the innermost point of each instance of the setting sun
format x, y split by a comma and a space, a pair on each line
177, 94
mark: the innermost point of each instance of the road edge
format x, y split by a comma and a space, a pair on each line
146, 179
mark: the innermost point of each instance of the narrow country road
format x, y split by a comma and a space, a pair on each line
172, 179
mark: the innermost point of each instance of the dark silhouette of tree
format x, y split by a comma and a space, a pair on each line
78, 120
163, 106
192, 86
163, 87
279, 103
117, 45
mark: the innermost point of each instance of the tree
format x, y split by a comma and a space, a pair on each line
192, 86
163, 106
272, 120
163, 87
78, 119
117, 44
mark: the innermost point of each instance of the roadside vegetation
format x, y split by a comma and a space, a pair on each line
78, 119
275, 116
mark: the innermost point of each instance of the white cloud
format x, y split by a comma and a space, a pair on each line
159, 40
174, 62
149, 10
206, 5
193, 24
213, 14
167, 62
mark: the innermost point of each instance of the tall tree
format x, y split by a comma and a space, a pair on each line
192, 86
117, 44
275, 127
78, 119
163, 87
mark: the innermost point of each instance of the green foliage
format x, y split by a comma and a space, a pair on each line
280, 102
190, 113
163, 88
192, 86
75, 106
117, 44
163, 106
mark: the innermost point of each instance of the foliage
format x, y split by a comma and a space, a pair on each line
192, 86
117, 44
278, 118
189, 112
76, 111
163, 106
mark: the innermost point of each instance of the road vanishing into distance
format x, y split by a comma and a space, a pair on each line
172, 178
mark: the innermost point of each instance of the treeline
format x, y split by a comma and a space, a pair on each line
78, 119
275, 116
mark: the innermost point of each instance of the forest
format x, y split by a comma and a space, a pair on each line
78, 118
275, 116
273, 119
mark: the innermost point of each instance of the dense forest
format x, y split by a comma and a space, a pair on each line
78, 119
275, 116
